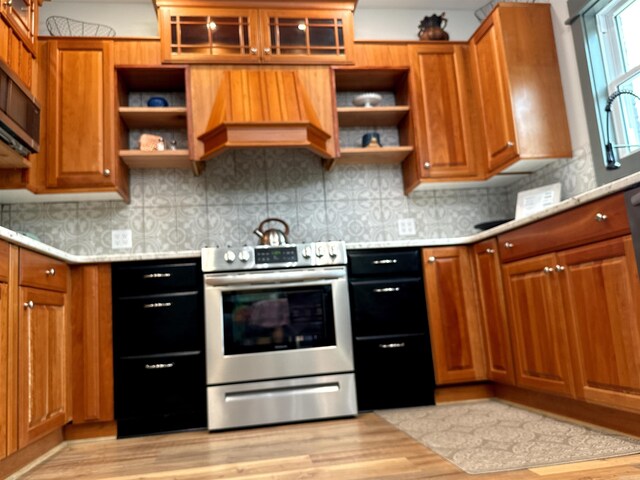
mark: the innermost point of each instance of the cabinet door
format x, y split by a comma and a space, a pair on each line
493, 312
42, 364
306, 36
602, 290
538, 312
448, 127
81, 115
21, 15
4, 363
209, 35
493, 82
456, 335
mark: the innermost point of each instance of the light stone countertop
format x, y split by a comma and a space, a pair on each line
599, 192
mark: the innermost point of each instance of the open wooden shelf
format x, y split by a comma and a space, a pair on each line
162, 159
374, 155
154, 117
371, 116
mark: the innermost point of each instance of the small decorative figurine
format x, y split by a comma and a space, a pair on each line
432, 28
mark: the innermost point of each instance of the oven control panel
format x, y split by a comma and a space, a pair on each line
221, 259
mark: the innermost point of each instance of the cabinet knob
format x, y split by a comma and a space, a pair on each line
427, 165
8, 3
267, 51
106, 172
547, 270
50, 272
601, 217
490, 251
510, 144
28, 304
508, 245
431, 259
253, 51
560, 268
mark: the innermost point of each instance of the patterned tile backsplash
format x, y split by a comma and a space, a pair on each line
173, 210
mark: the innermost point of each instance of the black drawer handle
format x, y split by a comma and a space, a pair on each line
157, 305
392, 345
386, 290
384, 261
158, 366
157, 275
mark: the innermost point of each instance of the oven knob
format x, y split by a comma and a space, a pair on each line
229, 256
306, 252
244, 256
320, 251
333, 251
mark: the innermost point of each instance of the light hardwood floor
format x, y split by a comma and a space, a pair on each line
366, 447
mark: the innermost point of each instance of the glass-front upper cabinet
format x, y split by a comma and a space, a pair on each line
227, 35
22, 17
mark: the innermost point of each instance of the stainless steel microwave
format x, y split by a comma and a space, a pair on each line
19, 114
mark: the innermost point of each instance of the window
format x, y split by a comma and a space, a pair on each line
606, 36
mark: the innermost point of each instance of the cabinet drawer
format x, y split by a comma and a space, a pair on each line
4, 261
388, 307
158, 385
158, 324
384, 262
142, 279
595, 221
40, 271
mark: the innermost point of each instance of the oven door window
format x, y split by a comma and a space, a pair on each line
263, 320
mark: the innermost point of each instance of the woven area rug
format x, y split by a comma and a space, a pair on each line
490, 436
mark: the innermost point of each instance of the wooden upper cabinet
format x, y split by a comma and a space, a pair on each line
212, 32
602, 290
454, 325
79, 151
448, 127
493, 312
516, 67
22, 16
538, 325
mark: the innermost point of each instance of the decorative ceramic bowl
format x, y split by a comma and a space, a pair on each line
367, 99
157, 102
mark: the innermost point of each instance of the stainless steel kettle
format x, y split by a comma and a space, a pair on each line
273, 236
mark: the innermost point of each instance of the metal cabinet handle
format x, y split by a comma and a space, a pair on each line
28, 304
431, 259
601, 217
392, 345
8, 3
106, 172
560, 268
386, 289
253, 51
490, 251
267, 51
157, 275
158, 366
508, 245
384, 261
427, 165
157, 305
548, 270
50, 272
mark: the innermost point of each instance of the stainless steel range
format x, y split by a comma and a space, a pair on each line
278, 334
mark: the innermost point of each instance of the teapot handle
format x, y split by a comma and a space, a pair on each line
273, 219
444, 21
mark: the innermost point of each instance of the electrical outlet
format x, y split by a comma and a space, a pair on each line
406, 226
121, 239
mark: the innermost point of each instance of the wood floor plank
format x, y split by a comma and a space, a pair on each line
363, 448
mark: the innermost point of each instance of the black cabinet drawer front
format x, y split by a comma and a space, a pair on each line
384, 263
156, 324
133, 279
393, 372
159, 385
388, 307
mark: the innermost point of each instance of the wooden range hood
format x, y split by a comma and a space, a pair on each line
256, 108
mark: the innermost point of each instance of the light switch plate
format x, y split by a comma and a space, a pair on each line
121, 239
406, 226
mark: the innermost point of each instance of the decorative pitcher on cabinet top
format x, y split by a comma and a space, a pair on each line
432, 28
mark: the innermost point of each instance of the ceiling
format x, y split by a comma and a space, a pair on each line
396, 4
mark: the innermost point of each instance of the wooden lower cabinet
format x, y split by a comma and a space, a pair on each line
42, 364
4, 361
493, 312
454, 324
601, 289
538, 312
